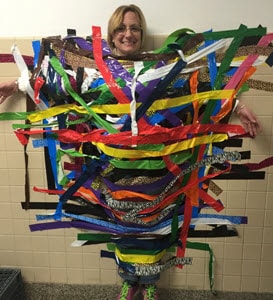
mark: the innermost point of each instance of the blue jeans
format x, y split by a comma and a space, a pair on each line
135, 279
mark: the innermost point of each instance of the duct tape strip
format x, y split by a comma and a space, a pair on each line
146, 270
26, 87
109, 79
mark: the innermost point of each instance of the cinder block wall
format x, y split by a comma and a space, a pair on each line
243, 263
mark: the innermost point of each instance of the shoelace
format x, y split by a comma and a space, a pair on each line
124, 291
151, 292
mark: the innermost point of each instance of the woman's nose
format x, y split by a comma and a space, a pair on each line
128, 32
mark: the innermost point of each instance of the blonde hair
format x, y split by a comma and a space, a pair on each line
116, 20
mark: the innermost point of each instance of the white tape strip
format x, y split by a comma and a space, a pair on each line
23, 81
138, 67
152, 74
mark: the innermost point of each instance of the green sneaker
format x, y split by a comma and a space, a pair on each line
150, 292
127, 291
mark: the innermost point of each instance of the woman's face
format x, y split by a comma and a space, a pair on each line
127, 37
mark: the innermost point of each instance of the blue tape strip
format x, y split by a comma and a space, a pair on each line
108, 227
156, 93
36, 46
39, 143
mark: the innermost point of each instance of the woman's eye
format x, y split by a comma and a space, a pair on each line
123, 29
135, 28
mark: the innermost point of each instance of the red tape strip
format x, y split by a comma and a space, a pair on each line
103, 68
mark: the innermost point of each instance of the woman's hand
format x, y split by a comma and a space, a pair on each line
249, 121
7, 89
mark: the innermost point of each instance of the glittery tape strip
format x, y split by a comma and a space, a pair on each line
146, 270
209, 160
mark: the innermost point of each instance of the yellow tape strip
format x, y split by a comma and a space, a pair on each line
139, 258
167, 150
125, 108
165, 103
37, 116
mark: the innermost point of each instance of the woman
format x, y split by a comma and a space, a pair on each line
126, 35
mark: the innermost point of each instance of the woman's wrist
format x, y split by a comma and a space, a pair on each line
16, 86
239, 108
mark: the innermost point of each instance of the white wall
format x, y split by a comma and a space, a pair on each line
52, 17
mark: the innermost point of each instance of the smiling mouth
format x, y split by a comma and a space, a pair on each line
128, 43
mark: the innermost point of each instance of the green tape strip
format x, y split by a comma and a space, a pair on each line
59, 69
205, 247
5, 116
146, 164
95, 237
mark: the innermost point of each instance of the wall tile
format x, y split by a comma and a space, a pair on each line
252, 251
268, 236
23, 242
7, 242
232, 267
266, 285
74, 276
195, 281
250, 284
57, 259
40, 259
233, 251
267, 269
232, 283
250, 268
7, 258
91, 260
269, 200
5, 210
39, 243
253, 235
6, 226
108, 276
268, 222
255, 217
58, 275
42, 274
178, 279
24, 258
74, 260
267, 251
28, 274
256, 200
91, 276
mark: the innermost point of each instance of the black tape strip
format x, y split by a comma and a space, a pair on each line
229, 143
49, 171
269, 60
219, 231
93, 209
242, 175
